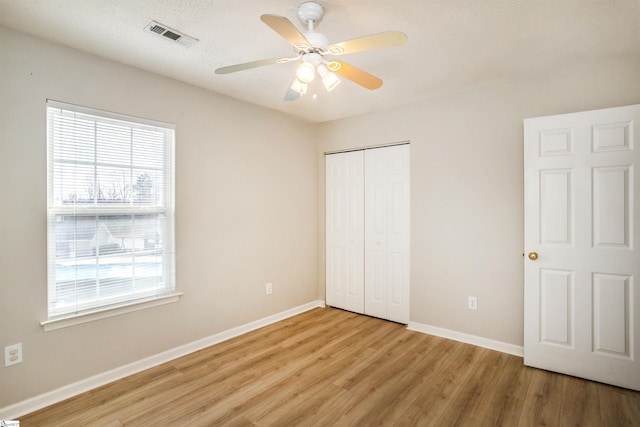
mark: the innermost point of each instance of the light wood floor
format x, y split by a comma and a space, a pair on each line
328, 367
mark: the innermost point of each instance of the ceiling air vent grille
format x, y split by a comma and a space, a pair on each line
170, 34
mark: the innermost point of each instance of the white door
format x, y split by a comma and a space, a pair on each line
387, 233
345, 230
582, 219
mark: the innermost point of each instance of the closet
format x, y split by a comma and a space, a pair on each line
367, 231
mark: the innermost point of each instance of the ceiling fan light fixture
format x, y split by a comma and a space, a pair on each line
299, 86
329, 80
305, 72
296, 90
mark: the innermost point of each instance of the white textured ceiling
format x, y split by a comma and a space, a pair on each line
453, 44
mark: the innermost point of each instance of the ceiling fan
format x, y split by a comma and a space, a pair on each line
312, 49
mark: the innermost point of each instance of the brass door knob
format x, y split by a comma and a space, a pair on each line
533, 256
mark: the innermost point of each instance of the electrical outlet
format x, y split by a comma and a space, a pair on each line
269, 289
12, 354
472, 303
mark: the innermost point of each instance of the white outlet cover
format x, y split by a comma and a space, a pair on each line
12, 354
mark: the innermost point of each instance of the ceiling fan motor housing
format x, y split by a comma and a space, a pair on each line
310, 11
317, 40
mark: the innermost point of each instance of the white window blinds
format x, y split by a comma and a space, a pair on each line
110, 209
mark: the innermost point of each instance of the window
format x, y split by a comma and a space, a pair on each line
110, 210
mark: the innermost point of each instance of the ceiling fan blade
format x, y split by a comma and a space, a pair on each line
286, 29
248, 65
374, 41
356, 75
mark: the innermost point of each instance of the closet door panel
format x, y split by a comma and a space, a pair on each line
345, 231
375, 233
387, 221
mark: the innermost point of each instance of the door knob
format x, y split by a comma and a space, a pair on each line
533, 256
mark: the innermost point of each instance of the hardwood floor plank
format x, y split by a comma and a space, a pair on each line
276, 373
618, 407
336, 355
440, 387
328, 367
381, 342
105, 402
467, 404
508, 394
415, 417
394, 403
369, 395
543, 403
580, 403
259, 375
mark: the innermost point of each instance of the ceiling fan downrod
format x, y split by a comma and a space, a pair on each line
311, 13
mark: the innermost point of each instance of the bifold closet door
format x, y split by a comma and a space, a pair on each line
387, 243
367, 237
345, 230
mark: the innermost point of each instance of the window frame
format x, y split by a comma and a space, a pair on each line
125, 301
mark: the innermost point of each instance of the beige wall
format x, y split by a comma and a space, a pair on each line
246, 214
467, 187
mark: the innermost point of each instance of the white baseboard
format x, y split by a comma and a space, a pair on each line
504, 347
19, 409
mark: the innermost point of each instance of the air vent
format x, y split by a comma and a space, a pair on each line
170, 34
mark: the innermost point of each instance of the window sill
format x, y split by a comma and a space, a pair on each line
77, 319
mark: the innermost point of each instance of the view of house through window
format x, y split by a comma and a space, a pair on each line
110, 209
